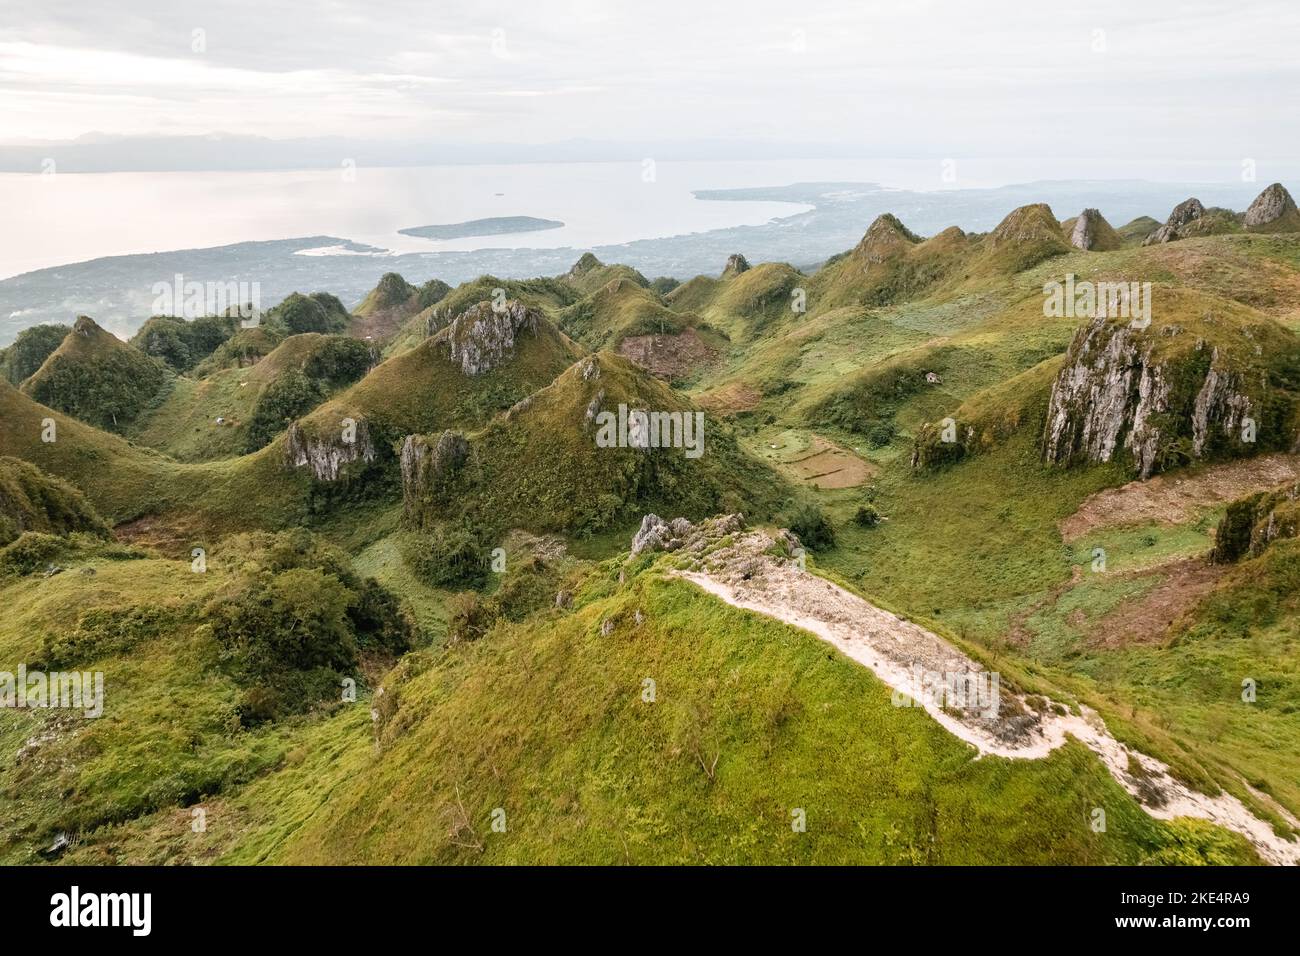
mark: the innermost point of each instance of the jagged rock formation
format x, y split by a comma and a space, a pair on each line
482, 337
1273, 211
427, 469
1119, 390
656, 534
1092, 233
327, 456
1187, 211
736, 264
1190, 219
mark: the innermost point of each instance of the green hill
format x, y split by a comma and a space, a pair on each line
97, 378
589, 274
889, 264
546, 465
233, 410
183, 343
1100, 531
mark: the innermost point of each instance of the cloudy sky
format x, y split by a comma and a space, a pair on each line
909, 77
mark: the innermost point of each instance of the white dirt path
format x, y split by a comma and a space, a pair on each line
745, 575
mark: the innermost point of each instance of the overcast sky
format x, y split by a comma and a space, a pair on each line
912, 77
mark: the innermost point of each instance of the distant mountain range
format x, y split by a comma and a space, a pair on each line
117, 290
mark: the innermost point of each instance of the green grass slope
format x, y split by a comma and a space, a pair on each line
185, 423
540, 467
31, 500
545, 727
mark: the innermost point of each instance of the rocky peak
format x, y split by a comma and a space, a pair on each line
736, 264
885, 238
86, 326
1092, 233
1273, 211
656, 534
483, 337
1027, 224
1187, 211
586, 263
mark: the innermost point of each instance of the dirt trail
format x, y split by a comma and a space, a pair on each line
746, 575
1173, 499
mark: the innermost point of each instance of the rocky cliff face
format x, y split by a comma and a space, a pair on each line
327, 455
427, 467
482, 337
1251, 524
1123, 392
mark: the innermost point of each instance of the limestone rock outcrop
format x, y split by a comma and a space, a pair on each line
1273, 211
1092, 233
483, 336
326, 455
736, 264
1118, 392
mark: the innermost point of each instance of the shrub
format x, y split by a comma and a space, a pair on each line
812, 527
183, 344
866, 517
289, 397
447, 557
339, 361
470, 617
106, 631
380, 619
319, 312
289, 636
31, 552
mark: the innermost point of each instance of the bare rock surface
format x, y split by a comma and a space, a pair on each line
1273, 211
483, 337
326, 455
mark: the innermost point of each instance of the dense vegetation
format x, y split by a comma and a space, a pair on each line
366, 649
29, 350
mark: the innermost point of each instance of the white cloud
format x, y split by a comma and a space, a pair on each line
961, 77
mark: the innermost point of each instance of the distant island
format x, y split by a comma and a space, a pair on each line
495, 226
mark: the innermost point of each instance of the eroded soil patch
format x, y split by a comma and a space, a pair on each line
1175, 498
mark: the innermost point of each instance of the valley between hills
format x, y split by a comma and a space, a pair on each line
367, 583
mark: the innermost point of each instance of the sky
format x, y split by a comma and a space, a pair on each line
914, 77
